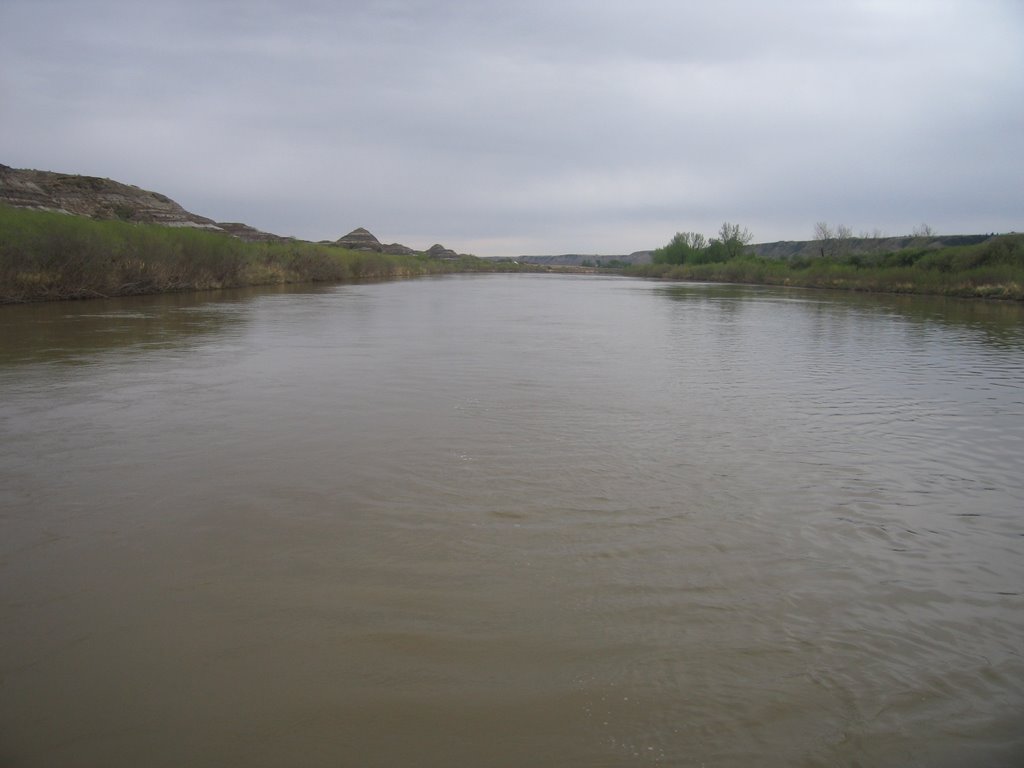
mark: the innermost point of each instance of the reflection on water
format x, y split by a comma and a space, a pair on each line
996, 322
73, 332
512, 520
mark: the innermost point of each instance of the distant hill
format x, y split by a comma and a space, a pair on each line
100, 198
788, 249
579, 259
782, 249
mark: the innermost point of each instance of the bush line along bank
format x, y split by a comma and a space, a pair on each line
47, 256
991, 269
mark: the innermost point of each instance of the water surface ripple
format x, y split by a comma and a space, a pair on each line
512, 520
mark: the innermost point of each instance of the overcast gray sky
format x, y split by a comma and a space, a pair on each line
531, 126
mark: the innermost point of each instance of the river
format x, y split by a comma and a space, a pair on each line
512, 520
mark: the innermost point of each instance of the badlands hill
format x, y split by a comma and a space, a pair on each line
100, 198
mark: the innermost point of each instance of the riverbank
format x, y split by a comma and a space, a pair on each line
993, 269
46, 256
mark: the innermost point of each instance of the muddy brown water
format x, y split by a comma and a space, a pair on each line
512, 521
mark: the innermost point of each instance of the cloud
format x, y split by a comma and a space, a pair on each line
546, 127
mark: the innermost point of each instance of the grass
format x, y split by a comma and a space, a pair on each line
48, 256
993, 269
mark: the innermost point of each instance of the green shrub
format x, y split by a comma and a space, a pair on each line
45, 255
991, 269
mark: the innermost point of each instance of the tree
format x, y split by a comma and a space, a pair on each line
733, 239
834, 242
684, 247
923, 234
844, 240
694, 248
824, 236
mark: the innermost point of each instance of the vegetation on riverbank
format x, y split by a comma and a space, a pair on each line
991, 269
47, 256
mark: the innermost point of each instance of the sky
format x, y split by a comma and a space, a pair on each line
531, 126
